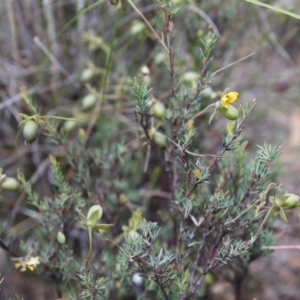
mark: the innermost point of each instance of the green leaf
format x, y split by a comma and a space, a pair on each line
99, 227
282, 215
283, 11
82, 216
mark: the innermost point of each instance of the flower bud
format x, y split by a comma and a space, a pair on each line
190, 78
10, 184
160, 58
30, 132
145, 70
137, 27
86, 75
94, 215
189, 126
230, 113
146, 75
159, 109
88, 101
70, 125
207, 93
290, 201
159, 139
61, 238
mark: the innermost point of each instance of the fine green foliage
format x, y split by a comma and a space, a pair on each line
134, 201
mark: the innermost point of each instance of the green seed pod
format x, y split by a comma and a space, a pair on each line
88, 101
94, 215
86, 75
190, 79
208, 93
10, 184
137, 27
61, 238
159, 139
230, 113
70, 125
290, 201
30, 132
158, 109
160, 58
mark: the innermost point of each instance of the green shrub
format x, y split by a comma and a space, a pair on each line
133, 154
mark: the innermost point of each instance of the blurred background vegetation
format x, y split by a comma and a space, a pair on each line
55, 47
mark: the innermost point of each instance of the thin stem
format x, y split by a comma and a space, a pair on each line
263, 222
150, 26
63, 118
191, 153
239, 60
162, 288
196, 263
242, 213
169, 28
202, 111
90, 252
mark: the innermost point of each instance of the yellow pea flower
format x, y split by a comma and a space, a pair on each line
228, 98
23, 263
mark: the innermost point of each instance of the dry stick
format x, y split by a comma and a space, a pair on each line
282, 247
51, 31
223, 68
13, 30
202, 111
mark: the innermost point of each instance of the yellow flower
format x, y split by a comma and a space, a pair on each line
23, 263
189, 125
197, 173
228, 98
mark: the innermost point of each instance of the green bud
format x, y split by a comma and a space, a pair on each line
208, 93
230, 113
159, 139
81, 135
158, 109
160, 58
30, 132
137, 27
145, 72
190, 78
10, 184
94, 215
61, 238
88, 101
290, 201
70, 125
209, 279
86, 75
